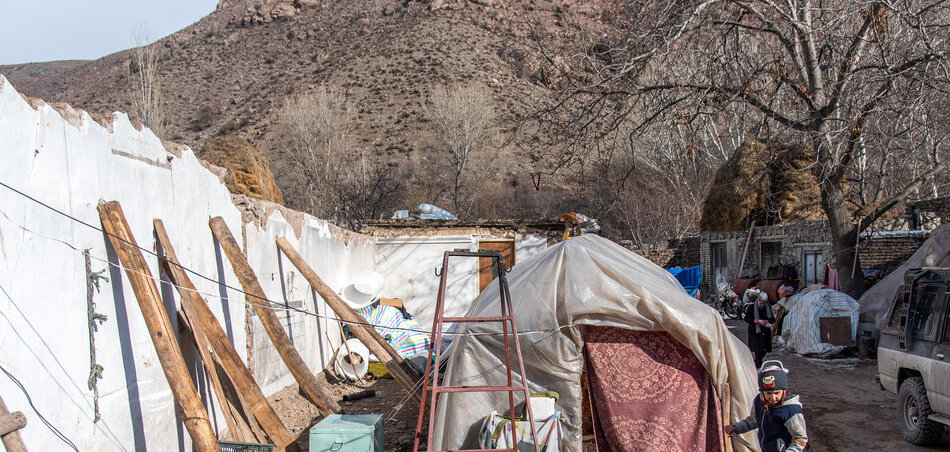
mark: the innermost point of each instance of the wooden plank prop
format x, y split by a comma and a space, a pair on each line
217, 350
725, 397
309, 386
358, 325
159, 326
12, 441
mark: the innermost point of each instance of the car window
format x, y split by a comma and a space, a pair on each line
923, 312
946, 328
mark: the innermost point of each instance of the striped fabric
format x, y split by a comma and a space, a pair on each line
800, 330
405, 335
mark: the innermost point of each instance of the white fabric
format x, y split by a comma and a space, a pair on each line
549, 431
587, 280
800, 330
935, 252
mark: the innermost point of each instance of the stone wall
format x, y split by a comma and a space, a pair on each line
880, 252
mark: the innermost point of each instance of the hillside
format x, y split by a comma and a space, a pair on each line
231, 71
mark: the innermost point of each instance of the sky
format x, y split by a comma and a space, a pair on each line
48, 30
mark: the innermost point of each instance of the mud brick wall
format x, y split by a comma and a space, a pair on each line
886, 252
678, 254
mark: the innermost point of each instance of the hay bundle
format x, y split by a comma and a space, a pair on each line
765, 183
248, 171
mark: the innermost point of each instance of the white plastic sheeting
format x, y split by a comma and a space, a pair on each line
935, 252
586, 280
800, 330
71, 165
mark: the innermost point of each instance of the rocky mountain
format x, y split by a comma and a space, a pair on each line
229, 73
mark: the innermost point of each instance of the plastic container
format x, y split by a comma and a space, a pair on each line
348, 433
542, 407
354, 368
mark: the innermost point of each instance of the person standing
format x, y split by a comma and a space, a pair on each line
760, 319
784, 292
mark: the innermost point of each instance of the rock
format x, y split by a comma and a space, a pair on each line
248, 172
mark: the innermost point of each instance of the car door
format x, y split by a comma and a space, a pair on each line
939, 381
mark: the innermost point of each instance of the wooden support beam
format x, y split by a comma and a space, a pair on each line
725, 398
237, 427
358, 325
222, 351
309, 386
11, 422
159, 327
12, 441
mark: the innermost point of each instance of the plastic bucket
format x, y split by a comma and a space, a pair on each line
354, 365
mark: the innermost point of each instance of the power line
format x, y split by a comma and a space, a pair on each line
29, 400
271, 304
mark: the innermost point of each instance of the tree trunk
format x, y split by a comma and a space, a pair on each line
844, 237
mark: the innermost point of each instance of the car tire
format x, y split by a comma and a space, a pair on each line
913, 411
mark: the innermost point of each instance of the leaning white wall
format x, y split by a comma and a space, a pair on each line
410, 263
72, 165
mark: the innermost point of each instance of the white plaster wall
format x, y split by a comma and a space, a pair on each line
409, 264
335, 256
44, 339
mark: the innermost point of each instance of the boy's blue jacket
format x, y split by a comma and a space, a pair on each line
781, 429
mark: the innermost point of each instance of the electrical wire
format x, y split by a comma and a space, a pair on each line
29, 400
266, 302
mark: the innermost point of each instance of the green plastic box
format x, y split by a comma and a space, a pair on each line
348, 433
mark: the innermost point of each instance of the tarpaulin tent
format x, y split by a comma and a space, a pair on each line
935, 252
801, 329
587, 281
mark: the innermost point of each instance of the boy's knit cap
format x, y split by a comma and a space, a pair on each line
773, 376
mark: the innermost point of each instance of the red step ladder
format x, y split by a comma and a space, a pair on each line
510, 331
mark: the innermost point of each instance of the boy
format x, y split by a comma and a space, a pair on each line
776, 414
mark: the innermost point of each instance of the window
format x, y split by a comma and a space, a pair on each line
946, 326
923, 321
771, 255
720, 264
813, 266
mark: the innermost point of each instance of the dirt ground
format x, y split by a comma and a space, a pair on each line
845, 408
399, 411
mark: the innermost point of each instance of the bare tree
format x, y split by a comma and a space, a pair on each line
462, 120
315, 128
145, 83
341, 183
842, 77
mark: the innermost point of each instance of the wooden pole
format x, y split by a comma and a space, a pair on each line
221, 349
726, 398
358, 325
12, 441
309, 386
237, 427
159, 327
745, 250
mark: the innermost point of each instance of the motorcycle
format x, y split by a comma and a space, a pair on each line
729, 303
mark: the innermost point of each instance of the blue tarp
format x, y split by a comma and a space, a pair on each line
690, 278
